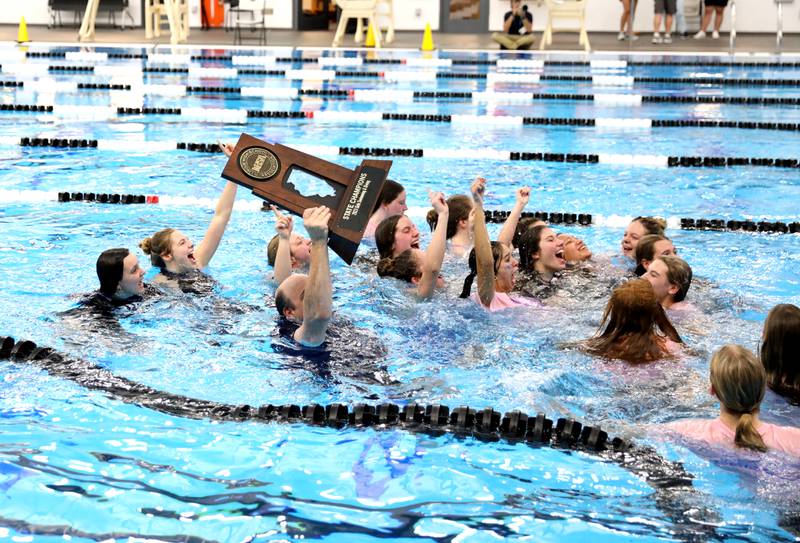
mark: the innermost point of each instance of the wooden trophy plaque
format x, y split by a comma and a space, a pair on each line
266, 168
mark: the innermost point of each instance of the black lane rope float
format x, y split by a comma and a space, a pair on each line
720, 81
492, 216
462, 95
463, 62
674, 492
440, 118
672, 161
585, 219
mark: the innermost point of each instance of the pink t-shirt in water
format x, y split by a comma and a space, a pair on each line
504, 300
780, 438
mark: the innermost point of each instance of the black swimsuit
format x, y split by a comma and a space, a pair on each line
192, 282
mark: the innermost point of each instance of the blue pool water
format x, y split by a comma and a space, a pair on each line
77, 463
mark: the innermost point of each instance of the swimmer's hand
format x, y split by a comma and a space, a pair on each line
226, 148
478, 190
523, 195
316, 220
438, 202
283, 223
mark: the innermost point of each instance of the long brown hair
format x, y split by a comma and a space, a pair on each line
739, 382
636, 326
384, 235
158, 245
780, 350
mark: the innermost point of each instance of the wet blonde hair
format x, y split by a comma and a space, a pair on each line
158, 245
739, 381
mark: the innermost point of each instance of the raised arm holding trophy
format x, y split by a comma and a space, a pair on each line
267, 169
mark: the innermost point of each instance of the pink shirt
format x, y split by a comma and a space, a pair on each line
504, 300
780, 438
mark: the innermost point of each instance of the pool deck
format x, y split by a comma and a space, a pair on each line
600, 41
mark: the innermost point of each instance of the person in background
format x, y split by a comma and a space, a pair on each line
287, 251
661, 8
738, 380
637, 329
648, 248
680, 19
391, 201
712, 7
517, 28
780, 350
306, 300
626, 21
671, 278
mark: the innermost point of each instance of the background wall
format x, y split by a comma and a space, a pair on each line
602, 15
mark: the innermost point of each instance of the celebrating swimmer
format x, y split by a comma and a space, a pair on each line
174, 253
306, 300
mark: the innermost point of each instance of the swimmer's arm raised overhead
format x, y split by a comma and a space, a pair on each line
434, 255
318, 295
507, 233
283, 257
483, 247
222, 214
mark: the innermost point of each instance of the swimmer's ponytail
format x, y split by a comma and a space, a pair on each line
158, 245
467, 290
404, 266
146, 245
386, 267
432, 218
747, 436
739, 380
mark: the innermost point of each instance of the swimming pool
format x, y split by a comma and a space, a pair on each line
79, 462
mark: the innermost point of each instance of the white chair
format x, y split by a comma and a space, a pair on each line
250, 15
572, 10
384, 14
175, 11
357, 9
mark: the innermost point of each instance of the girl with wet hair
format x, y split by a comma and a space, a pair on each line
395, 235
491, 263
637, 329
175, 255
637, 229
459, 224
391, 202
671, 278
524, 224
120, 274
648, 248
461, 220
738, 380
541, 256
780, 350
412, 264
